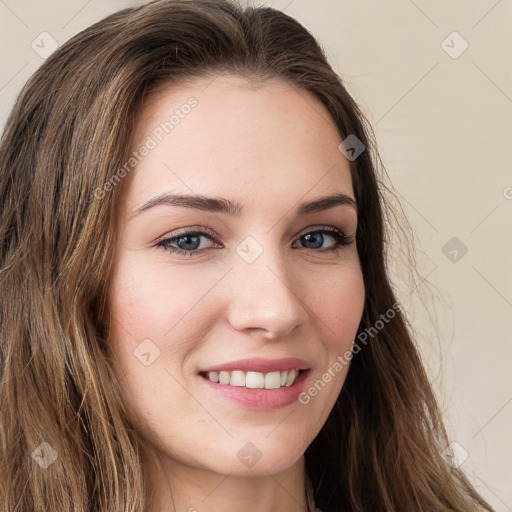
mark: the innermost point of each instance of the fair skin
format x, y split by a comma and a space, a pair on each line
268, 147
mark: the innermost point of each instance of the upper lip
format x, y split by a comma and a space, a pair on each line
260, 365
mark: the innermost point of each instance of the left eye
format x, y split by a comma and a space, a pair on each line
189, 241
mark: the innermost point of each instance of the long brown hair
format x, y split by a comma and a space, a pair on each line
66, 442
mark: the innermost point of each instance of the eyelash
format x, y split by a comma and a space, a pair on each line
341, 239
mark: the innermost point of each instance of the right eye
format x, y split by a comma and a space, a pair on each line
186, 239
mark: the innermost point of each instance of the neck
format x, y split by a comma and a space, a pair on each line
173, 487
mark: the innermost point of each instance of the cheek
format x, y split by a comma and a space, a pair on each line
152, 298
338, 307
153, 329
153, 302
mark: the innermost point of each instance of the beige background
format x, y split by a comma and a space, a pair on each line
443, 124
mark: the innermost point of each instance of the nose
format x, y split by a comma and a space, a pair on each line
265, 297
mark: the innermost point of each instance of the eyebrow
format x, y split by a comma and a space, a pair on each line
221, 205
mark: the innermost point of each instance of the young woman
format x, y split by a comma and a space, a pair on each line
196, 311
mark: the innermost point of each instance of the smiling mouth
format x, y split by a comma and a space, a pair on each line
254, 380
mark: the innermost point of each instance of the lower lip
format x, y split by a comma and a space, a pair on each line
260, 399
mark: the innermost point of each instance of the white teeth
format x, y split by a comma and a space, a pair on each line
273, 380
237, 378
223, 377
255, 380
291, 377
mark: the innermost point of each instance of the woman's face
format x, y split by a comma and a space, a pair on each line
255, 283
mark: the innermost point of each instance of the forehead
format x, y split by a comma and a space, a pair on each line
225, 135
